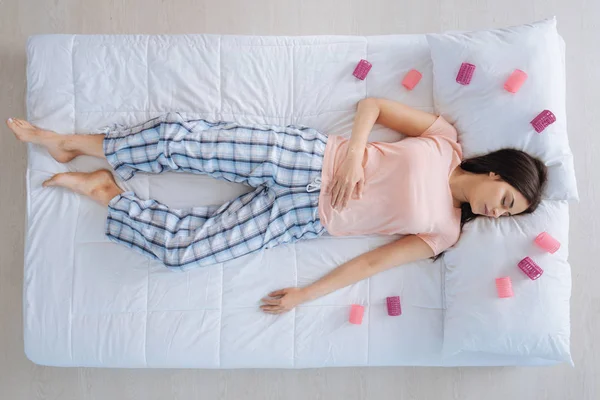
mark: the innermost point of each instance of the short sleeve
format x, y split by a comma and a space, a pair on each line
442, 241
446, 136
435, 241
442, 128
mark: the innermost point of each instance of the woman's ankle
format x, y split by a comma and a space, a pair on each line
104, 195
68, 143
72, 144
84, 145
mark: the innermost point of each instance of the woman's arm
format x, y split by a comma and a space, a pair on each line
349, 178
366, 116
408, 249
402, 118
391, 114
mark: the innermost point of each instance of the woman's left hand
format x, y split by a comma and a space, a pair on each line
348, 181
283, 300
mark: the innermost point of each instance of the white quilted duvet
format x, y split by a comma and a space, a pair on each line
88, 302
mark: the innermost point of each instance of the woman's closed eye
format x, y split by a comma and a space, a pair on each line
511, 204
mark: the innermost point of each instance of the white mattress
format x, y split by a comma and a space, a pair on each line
89, 302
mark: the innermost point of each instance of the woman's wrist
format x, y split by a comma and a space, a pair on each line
306, 293
354, 155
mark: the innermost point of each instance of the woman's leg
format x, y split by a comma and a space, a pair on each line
63, 148
99, 185
249, 154
199, 236
257, 220
252, 154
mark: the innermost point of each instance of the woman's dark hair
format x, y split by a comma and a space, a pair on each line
525, 173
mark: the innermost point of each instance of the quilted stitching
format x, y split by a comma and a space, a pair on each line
197, 75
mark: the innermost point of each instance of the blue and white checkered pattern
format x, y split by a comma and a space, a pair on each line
281, 163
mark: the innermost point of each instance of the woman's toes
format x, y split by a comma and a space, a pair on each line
70, 180
64, 179
54, 143
25, 133
25, 124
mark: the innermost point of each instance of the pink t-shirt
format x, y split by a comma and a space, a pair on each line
406, 189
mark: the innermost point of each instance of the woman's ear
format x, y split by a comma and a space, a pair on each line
495, 176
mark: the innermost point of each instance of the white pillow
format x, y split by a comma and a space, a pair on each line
533, 323
488, 117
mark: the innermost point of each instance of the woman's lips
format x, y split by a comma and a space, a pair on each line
486, 210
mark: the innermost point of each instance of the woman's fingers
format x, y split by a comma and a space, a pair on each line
277, 293
341, 193
273, 311
282, 300
359, 188
334, 194
340, 199
345, 194
340, 196
270, 308
272, 302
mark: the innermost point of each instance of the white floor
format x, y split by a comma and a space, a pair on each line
578, 23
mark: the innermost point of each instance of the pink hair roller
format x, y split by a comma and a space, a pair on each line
547, 242
465, 73
504, 287
393, 306
411, 79
356, 314
515, 81
542, 121
362, 69
530, 268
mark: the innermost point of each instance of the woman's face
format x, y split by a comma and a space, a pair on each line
495, 198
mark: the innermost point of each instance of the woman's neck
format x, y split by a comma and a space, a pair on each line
460, 182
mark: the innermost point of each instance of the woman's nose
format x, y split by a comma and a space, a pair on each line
496, 213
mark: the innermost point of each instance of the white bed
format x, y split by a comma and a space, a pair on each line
89, 302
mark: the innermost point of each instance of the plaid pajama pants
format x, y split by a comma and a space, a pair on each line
283, 164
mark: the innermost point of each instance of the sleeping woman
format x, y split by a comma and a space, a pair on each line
305, 184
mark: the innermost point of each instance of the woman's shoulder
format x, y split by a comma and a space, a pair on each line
442, 128
452, 229
445, 235
446, 135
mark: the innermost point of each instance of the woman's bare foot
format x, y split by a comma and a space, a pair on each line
99, 185
52, 141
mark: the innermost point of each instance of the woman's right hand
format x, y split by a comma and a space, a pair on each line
284, 300
349, 179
